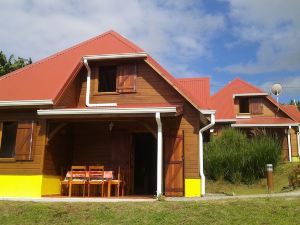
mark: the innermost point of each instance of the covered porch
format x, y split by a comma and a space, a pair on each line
129, 144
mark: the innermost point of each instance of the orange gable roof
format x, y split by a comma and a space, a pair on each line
47, 78
199, 87
222, 101
293, 111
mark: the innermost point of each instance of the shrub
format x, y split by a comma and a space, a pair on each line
234, 157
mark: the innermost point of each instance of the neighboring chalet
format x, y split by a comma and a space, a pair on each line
244, 106
103, 102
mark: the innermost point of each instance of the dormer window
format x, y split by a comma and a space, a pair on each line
117, 79
107, 79
244, 105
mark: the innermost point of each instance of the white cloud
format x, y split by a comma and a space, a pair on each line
272, 24
168, 29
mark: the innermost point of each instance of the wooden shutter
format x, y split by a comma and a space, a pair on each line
256, 106
173, 164
24, 140
126, 78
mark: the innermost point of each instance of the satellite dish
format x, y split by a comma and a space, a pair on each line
276, 89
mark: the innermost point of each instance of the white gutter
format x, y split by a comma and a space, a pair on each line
298, 140
207, 111
289, 144
249, 94
88, 89
116, 56
264, 125
26, 103
201, 160
159, 176
225, 120
97, 111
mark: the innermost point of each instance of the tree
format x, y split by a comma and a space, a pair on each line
10, 64
292, 102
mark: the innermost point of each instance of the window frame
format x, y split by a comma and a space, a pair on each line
12, 158
239, 105
97, 83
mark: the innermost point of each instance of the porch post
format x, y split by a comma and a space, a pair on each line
159, 155
289, 144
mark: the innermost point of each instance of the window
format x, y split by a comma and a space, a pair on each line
107, 79
8, 140
244, 105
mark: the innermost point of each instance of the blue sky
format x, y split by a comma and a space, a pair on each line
256, 40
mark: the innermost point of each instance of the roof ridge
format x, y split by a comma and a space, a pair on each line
54, 55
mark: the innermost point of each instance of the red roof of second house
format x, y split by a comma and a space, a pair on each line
199, 87
222, 100
46, 79
293, 111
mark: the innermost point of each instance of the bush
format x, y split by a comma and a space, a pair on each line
234, 157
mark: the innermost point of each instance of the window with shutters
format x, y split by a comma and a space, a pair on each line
16, 140
8, 132
117, 79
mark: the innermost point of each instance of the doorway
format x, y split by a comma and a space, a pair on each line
145, 161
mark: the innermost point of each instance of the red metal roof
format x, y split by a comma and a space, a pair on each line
266, 120
222, 101
47, 78
199, 88
293, 111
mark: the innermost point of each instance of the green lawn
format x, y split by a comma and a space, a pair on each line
255, 211
280, 180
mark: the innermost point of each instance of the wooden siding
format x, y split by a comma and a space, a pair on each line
26, 167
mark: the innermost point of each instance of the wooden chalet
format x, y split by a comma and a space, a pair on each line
102, 102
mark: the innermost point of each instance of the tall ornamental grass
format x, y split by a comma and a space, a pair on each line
234, 157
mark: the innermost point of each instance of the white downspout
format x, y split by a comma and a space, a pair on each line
159, 155
201, 171
298, 140
289, 144
88, 89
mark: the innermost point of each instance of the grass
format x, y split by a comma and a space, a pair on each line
280, 180
255, 211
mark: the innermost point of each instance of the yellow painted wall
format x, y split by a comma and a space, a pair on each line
192, 187
20, 185
50, 185
29, 185
295, 159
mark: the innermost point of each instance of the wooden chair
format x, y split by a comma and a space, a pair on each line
96, 174
118, 182
77, 177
